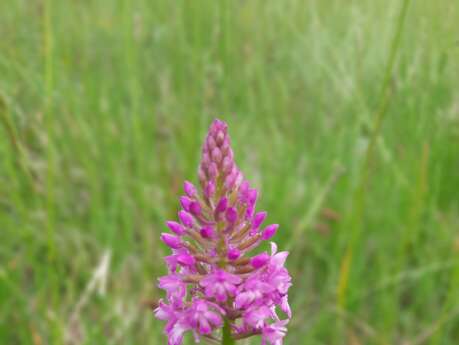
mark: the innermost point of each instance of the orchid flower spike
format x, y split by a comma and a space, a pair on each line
214, 280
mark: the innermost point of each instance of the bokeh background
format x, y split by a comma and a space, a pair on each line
345, 114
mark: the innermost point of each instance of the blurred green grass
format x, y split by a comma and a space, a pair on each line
103, 106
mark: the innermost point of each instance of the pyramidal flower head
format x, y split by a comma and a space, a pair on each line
215, 280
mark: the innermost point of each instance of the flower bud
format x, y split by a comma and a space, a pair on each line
207, 232
176, 227
185, 202
231, 215
230, 154
239, 178
195, 208
202, 175
186, 218
269, 231
171, 241
243, 190
211, 144
227, 165
258, 219
209, 190
225, 146
205, 161
233, 254
222, 205
220, 137
259, 260
229, 181
249, 212
185, 259
216, 155
252, 196
213, 171
189, 189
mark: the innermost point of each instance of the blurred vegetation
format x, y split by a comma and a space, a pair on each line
103, 107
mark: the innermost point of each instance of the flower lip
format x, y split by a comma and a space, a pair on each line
256, 316
220, 284
275, 332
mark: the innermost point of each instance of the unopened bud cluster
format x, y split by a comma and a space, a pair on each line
213, 279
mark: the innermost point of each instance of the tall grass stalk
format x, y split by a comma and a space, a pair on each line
358, 201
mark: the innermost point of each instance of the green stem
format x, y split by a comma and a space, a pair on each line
359, 196
226, 338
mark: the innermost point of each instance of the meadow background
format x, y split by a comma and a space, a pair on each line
345, 114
